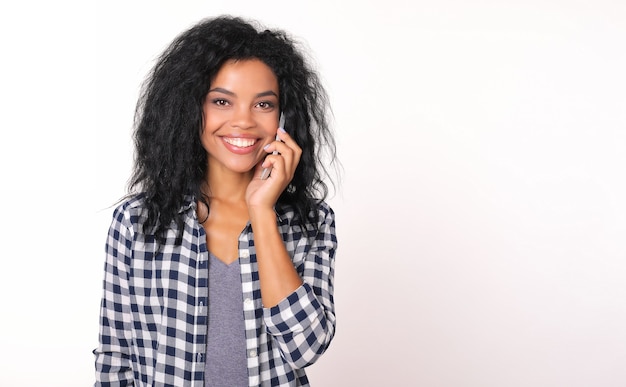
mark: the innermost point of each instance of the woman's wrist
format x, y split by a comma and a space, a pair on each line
260, 213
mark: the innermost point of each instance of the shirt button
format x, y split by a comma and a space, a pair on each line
252, 353
247, 302
245, 254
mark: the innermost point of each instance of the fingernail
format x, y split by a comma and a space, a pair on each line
282, 130
266, 146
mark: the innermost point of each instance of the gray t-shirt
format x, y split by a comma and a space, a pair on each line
226, 363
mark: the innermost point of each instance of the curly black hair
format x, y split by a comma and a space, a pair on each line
170, 161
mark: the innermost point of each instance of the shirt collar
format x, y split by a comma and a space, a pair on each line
189, 202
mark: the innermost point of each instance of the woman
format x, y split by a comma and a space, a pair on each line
217, 273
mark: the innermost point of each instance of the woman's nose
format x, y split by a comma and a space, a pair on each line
242, 118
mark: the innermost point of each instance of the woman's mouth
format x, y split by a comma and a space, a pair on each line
241, 145
240, 142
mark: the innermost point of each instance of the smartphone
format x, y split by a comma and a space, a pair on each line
281, 124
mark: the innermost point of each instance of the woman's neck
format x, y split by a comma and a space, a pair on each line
226, 185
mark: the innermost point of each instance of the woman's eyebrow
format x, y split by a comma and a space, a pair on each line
228, 92
221, 90
266, 93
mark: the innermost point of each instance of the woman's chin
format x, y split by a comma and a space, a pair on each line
241, 169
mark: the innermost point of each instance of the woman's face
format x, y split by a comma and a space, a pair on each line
240, 115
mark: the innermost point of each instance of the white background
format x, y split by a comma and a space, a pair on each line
481, 214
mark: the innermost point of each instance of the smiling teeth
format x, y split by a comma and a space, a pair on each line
240, 142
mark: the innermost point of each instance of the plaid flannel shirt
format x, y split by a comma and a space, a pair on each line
153, 318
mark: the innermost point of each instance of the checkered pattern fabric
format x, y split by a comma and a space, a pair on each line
153, 321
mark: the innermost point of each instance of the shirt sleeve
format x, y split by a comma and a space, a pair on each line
112, 356
303, 324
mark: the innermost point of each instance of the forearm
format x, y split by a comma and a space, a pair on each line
277, 276
303, 323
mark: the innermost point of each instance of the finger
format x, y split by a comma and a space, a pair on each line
271, 168
281, 149
290, 156
287, 139
287, 143
269, 160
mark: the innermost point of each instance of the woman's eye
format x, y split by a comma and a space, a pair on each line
265, 105
220, 102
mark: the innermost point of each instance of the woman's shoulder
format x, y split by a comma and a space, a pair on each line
130, 209
325, 209
133, 208
131, 202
